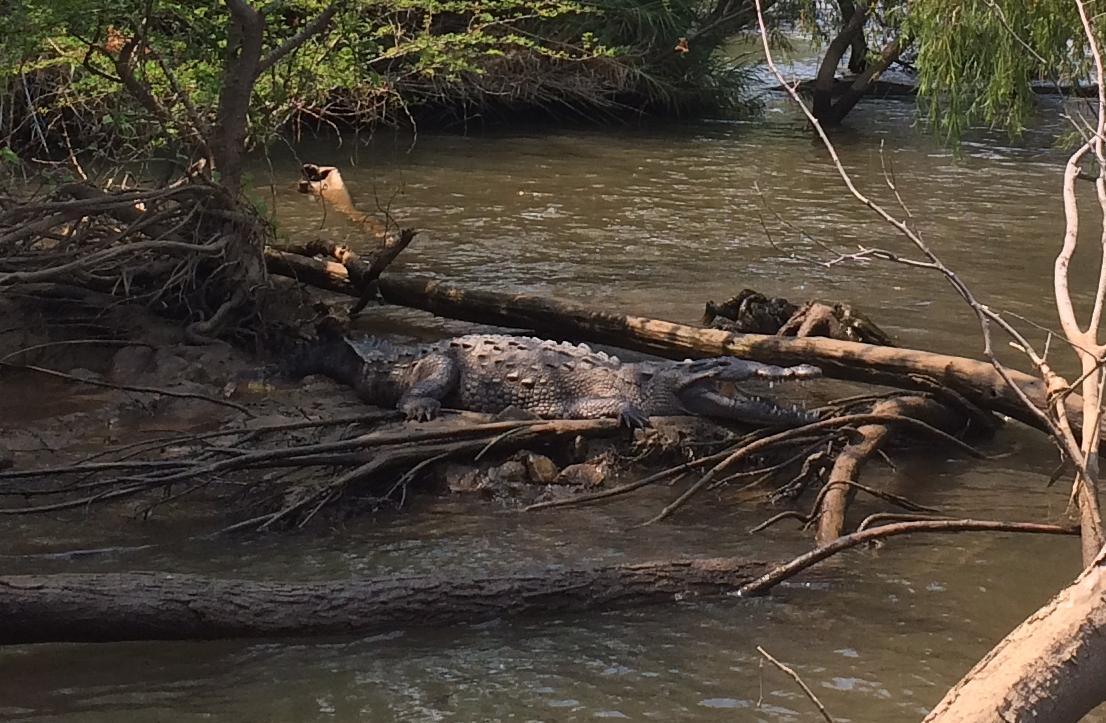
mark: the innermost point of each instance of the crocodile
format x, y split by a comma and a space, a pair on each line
555, 380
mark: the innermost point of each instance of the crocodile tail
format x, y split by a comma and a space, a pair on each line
332, 357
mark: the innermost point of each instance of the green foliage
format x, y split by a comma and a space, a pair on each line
977, 58
382, 60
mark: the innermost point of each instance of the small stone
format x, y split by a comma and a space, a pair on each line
462, 478
510, 471
171, 366
541, 469
131, 362
585, 474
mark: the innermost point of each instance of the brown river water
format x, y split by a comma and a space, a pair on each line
656, 222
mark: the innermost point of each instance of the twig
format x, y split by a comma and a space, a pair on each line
795, 676
246, 432
68, 342
816, 512
623, 489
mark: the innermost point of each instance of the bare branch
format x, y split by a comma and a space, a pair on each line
984, 314
316, 26
795, 676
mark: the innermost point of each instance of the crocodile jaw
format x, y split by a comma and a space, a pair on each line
741, 407
732, 369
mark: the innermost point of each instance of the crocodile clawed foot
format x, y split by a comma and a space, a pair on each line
633, 418
422, 409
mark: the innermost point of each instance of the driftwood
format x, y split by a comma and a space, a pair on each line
157, 606
975, 380
751, 312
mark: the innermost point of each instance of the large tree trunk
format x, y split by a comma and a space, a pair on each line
851, 31
158, 606
1052, 667
245, 34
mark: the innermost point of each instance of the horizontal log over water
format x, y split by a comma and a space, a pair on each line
975, 380
107, 607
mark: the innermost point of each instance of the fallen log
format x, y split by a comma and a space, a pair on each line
109, 607
975, 380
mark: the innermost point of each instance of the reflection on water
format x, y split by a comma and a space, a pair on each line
656, 222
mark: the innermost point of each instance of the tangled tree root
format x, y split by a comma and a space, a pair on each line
828, 453
189, 250
751, 312
278, 466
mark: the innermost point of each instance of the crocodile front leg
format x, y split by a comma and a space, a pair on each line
428, 382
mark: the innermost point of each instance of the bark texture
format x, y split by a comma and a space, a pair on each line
159, 606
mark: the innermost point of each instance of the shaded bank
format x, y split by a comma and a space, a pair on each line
76, 82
